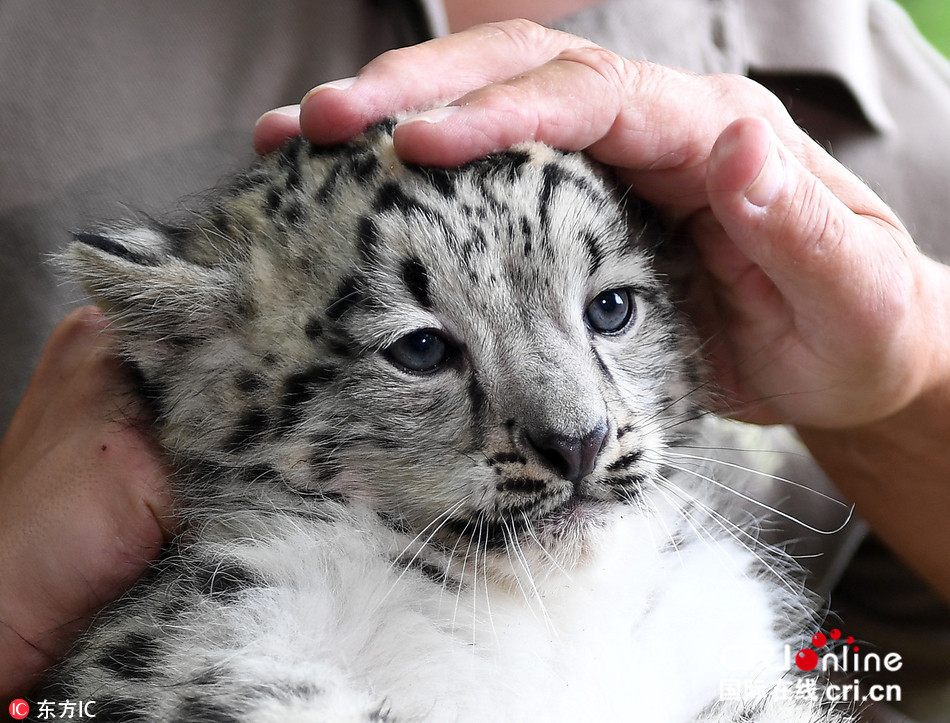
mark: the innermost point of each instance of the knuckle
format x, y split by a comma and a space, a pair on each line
823, 229
388, 62
524, 35
615, 70
747, 96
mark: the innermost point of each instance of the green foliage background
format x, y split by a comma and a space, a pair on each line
933, 19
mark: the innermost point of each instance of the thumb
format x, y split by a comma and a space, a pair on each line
808, 253
815, 234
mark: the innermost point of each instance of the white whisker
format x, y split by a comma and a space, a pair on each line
731, 529
763, 505
784, 480
436, 525
544, 551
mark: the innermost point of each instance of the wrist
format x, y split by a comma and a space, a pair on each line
897, 473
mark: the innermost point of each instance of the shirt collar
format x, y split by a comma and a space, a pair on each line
832, 38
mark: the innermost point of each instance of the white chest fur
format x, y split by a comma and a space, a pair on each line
636, 633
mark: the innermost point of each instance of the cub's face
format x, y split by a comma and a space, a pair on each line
478, 354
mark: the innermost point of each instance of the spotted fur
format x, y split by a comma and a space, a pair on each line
497, 534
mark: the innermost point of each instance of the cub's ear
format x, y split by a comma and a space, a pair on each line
136, 276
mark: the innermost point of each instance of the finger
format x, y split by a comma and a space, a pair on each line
70, 344
845, 280
427, 75
84, 502
656, 123
275, 127
786, 221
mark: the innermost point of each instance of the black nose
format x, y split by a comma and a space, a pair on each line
572, 457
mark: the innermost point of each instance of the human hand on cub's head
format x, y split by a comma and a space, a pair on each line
816, 306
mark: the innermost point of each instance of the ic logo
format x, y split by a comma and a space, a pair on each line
19, 709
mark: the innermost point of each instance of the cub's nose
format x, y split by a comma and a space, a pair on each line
572, 457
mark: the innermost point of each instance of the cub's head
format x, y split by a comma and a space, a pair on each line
478, 354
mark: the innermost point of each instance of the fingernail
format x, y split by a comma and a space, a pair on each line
286, 111
436, 115
766, 186
341, 84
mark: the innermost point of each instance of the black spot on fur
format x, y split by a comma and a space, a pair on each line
324, 466
223, 580
365, 166
507, 163
441, 179
313, 329
288, 153
370, 239
249, 382
476, 397
513, 159
504, 457
349, 295
220, 222
315, 151
527, 229
293, 213
626, 488
340, 345
172, 610
300, 388
272, 202
521, 485
595, 253
551, 176
326, 499
135, 658
385, 127
391, 196
416, 279
209, 677
250, 428
293, 181
602, 364
201, 710
628, 460
115, 248
330, 182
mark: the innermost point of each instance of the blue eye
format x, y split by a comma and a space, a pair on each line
611, 311
422, 351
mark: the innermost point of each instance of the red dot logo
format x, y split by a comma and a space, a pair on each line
806, 659
818, 640
19, 709
835, 634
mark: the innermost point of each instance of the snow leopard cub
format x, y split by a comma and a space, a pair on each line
422, 424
